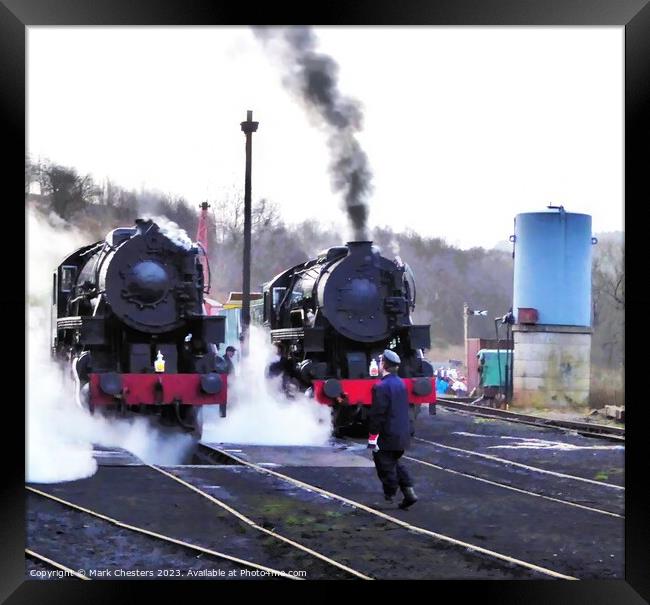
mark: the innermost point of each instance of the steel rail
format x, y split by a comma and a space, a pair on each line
514, 489
536, 469
592, 430
503, 485
60, 566
264, 530
162, 537
395, 520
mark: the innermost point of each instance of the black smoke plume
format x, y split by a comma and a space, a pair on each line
313, 78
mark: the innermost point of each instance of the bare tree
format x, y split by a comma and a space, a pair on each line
608, 300
30, 173
609, 272
228, 213
68, 192
446, 277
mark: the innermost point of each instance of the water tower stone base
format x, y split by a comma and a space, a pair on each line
551, 366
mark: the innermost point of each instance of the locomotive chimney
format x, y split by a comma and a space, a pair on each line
248, 128
360, 247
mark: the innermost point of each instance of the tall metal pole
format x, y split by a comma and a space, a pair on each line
465, 332
248, 128
202, 238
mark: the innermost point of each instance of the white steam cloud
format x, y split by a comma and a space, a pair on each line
172, 231
259, 412
59, 434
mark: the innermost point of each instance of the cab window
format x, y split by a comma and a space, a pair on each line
67, 278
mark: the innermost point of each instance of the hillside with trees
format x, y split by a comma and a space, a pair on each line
446, 276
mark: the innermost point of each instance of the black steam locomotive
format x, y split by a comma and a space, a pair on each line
332, 317
128, 318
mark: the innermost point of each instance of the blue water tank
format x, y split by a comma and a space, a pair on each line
552, 266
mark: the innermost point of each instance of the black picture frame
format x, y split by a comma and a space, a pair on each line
634, 15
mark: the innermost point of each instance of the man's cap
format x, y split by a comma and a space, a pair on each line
391, 357
230, 348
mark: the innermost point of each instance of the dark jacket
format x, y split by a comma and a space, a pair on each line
230, 366
389, 414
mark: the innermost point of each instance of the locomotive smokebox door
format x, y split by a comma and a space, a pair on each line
351, 295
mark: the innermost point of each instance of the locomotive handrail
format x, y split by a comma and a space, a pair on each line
99, 263
92, 248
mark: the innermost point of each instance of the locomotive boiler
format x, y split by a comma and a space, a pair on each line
128, 318
332, 316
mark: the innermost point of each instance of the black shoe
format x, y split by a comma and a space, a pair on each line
409, 498
389, 497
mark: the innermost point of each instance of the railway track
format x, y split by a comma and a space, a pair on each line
220, 455
200, 480
575, 490
527, 467
248, 521
126, 460
157, 536
602, 431
512, 463
54, 564
512, 488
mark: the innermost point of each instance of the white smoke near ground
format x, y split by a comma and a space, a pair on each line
59, 434
258, 410
172, 231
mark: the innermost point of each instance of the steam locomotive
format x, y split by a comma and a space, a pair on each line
127, 316
331, 316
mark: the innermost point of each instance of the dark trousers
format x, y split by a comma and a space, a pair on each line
391, 471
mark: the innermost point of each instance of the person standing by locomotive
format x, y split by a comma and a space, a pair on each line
390, 431
230, 353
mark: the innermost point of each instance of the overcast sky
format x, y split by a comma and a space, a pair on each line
463, 127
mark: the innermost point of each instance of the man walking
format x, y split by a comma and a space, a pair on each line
390, 431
